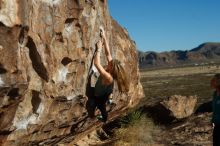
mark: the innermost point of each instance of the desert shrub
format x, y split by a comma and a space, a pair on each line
136, 129
130, 119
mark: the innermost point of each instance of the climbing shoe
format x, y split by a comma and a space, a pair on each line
100, 118
110, 101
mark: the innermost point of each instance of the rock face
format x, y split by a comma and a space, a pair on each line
46, 50
180, 106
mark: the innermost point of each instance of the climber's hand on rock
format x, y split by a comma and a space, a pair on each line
213, 125
99, 45
102, 32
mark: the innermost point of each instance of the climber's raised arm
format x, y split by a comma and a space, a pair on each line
106, 45
105, 75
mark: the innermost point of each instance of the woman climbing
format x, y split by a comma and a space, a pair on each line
104, 85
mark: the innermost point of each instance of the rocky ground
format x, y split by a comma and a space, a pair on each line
195, 130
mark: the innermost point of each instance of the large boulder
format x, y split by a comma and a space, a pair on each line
46, 50
180, 106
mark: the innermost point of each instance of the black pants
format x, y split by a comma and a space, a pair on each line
99, 102
216, 135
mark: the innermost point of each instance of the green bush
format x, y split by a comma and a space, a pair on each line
130, 119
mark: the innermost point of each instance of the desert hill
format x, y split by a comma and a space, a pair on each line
204, 53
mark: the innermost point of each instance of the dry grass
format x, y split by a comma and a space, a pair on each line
136, 131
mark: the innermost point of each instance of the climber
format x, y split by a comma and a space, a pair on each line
104, 85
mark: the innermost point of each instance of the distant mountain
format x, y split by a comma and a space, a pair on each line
203, 53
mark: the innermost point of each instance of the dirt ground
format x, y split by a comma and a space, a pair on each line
160, 83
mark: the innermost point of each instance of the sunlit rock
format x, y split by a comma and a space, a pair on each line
180, 106
46, 50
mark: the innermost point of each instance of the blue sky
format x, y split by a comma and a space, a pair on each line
164, 25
